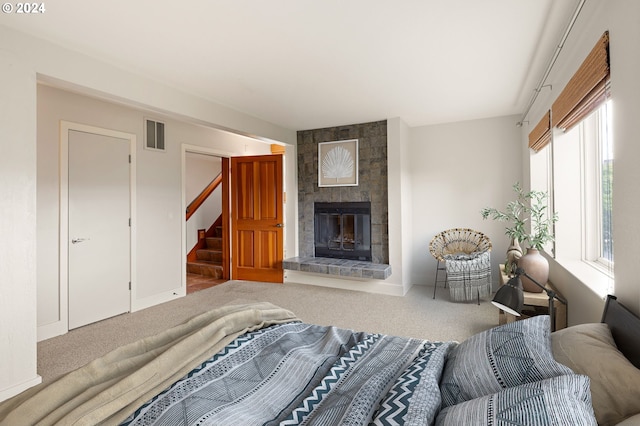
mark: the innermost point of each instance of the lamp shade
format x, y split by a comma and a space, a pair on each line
509, 297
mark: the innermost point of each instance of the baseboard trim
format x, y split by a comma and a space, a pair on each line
156, 299
19, 388
53, 329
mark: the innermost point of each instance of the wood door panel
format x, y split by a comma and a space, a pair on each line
268, 196
270, 246
257, 218
245, 249
245, 191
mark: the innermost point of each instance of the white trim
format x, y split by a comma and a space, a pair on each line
57, 328
156, 299
62, 326
355, 284
134, 221
211, 151
18, 388
593, 278
592, 139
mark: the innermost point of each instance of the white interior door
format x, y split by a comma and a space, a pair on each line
99, 227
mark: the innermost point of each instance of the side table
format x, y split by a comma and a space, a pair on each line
539, 302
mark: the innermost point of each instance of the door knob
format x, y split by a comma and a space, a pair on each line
279, 225
78, 240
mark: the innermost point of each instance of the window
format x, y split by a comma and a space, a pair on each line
582, 186
578, 168
604, 191
594, 138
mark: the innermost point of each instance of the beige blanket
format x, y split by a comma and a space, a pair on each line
110, 388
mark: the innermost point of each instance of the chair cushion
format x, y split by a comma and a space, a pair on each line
469, 276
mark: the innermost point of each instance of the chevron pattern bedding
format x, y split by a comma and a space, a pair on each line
258, 364
305, 374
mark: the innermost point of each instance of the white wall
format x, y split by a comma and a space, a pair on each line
440, 177
74, 71
620, 17
457, 169
17, 226
158, 192
200, 170
290, 177
400, 186
23, 58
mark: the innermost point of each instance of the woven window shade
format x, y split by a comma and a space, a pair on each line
540, 136
587, 89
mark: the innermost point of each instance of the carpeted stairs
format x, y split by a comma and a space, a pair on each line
208, 261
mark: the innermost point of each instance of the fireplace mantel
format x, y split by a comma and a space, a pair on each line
339, 267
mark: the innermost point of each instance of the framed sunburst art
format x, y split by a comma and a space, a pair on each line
338, 163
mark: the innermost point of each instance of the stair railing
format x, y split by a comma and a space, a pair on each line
202, 197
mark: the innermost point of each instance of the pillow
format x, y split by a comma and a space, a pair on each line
630, 421
590, 349
499, 358
562, 400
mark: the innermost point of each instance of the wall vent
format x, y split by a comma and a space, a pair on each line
154, 135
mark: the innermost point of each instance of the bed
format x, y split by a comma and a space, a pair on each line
259, 364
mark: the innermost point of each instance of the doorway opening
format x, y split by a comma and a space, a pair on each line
206, 229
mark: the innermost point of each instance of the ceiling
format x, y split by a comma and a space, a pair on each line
305, 64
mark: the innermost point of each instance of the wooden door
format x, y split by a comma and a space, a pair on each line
257, 218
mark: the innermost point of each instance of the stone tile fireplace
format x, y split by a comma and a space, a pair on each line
371, 188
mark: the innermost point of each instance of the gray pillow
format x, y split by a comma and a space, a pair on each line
500, 358
562, 400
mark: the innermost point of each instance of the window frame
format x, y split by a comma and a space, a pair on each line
594, 247
579, 230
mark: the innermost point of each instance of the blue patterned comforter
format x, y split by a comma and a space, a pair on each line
297, 373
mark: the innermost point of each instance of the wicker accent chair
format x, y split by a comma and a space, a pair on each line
467, 251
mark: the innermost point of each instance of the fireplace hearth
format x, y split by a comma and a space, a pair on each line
343, 230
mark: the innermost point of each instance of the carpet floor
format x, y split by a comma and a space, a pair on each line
416, 314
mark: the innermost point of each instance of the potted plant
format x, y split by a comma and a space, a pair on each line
527, 207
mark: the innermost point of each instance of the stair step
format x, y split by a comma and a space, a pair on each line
207, 255
214, 243
204, 268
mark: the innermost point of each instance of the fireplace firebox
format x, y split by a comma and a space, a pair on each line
343, 230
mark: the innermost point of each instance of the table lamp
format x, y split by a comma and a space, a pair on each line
509, 297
